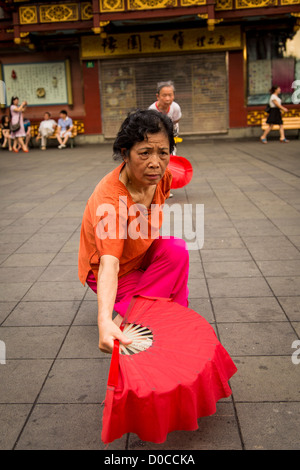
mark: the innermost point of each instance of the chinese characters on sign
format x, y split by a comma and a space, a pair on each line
222, 38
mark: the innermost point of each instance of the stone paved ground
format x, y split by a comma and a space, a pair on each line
245, 281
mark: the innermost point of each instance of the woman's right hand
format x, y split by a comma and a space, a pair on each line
108, 332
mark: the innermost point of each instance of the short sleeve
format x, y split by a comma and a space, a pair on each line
110, 226
176, 115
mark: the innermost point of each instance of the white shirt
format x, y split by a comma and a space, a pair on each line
48, 124
276, 98
174, 111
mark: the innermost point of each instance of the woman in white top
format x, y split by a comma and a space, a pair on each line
275, 115
165, 103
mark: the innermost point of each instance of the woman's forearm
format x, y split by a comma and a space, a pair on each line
107, 286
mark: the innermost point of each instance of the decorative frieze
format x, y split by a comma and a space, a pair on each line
58, 13
111, 6
28, 15
239, 4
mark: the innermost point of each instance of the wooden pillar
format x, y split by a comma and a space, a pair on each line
236, 87
92, 120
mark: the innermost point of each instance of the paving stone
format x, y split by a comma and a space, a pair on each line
197, 288
271, 248
44, 243
12, 419
59, 273
81, 342
280, 267
239, 287
269, 426
5, 309
87, 313
32, 342
265, 379
269, 338
20, 274
203, 307
10, 291
256, 309
221, 269
66, 427
28, 259
76, 381
22, 379
55, 291
282, 286
43, 313
65, 259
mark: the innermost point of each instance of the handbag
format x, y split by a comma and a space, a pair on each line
15, 127
268, 109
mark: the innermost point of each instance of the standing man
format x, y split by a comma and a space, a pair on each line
65, 125
47, 127
165, 103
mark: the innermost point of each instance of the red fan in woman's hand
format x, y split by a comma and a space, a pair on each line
173, 372
182, 171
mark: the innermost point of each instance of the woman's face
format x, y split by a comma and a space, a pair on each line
278, 90
166, 96
148, 160
16, 101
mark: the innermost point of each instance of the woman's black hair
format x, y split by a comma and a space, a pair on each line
137, 126
13, 98
274, 88
3, 119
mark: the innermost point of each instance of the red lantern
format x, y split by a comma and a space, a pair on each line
13, 75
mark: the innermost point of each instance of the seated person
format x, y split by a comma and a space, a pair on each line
47, 127
6, 132
65, 125
27, 127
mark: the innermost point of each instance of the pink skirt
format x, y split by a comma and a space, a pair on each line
164, 273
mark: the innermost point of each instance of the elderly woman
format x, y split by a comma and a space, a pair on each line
165, 94
121, 253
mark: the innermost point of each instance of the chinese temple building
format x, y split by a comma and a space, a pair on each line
101, 59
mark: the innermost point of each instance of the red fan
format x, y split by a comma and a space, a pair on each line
173, 372
182, 171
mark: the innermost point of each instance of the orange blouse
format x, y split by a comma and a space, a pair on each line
113, 224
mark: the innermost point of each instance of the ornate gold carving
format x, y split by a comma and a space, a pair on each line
255, 3
290, 2
57, 13
211, 22
28, 15
152, 4
112, 5
86, 11
188, 3
224, 5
